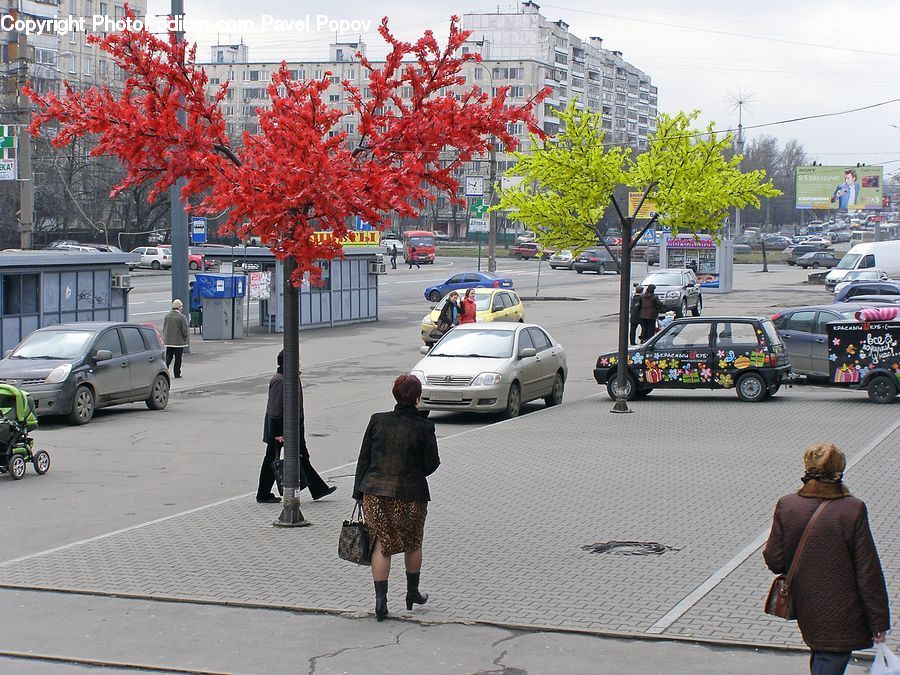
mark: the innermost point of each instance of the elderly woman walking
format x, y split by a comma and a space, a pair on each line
838, 589
399, 450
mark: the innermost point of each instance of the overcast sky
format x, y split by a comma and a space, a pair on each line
788, 58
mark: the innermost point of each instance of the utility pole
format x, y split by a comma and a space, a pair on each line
178, 216
492, 218
23, 152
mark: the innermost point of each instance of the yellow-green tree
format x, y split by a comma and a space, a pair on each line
569, 180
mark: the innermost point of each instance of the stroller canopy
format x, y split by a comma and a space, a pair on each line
19, 405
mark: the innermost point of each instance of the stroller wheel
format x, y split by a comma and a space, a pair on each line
41, 462
16, 466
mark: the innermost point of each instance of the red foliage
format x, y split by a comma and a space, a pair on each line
292, 178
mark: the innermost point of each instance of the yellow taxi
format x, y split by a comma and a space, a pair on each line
491, 304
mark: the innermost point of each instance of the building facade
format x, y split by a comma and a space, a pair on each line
522, 50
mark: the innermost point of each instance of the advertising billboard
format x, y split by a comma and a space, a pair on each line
839, 187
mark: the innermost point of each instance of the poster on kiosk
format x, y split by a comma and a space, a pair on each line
699, 253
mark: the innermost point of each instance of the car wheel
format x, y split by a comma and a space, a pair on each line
16, 467
580, 271
155, 265
82, 405
518, 256
815, 265
882, 389
159, 393
683, 308
644, 392
194, 266
41, 462
791, 263
751, 387
803, 266
612, 387
513, 401
698, 307
774, 389
556, 394
434, 296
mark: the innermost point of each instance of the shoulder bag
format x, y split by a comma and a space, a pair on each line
353, 544
779, 601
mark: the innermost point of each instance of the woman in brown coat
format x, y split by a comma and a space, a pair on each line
399, 450
838, 589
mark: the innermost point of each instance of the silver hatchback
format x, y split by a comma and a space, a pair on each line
73, 369
492, 368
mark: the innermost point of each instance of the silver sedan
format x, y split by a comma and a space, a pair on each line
492, 368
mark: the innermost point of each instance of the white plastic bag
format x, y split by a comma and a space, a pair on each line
886, 662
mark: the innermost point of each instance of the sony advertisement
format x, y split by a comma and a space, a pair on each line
839, 187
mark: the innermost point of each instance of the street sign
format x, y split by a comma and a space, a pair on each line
198, 230
8, 169
479, 225
478, 207
474, 186
649, 237
648, 209
8, 144
362, 225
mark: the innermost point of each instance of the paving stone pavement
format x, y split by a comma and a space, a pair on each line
513, 505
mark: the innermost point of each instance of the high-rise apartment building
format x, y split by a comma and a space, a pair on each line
522, 50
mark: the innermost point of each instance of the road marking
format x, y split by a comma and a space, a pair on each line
198, 509
719, 575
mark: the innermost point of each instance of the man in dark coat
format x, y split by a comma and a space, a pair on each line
273, 435
649, 312
394, 253
634, 314
838, 588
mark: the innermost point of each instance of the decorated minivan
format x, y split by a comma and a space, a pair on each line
734, 352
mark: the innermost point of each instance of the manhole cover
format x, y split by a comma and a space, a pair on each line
628, 548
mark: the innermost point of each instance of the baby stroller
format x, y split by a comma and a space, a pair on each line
16, 446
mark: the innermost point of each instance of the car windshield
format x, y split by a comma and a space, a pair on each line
662, 279
421, 241
53, 344
848, 262
489, 344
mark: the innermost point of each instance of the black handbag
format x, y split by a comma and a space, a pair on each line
354, 544
278, 470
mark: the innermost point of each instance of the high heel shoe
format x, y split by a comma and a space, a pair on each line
412, 591
381, 608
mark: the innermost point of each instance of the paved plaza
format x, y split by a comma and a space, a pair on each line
516, 510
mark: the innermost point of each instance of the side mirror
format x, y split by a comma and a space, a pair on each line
497, 308
424, 349
692, 283
7, 353
527, 353
102, 355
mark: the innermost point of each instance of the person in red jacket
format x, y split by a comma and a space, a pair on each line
467, 307
838, 590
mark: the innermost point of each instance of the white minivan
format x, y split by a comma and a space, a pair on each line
883, 255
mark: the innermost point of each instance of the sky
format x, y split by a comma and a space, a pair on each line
786, 59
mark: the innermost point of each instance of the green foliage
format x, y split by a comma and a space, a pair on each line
569, 179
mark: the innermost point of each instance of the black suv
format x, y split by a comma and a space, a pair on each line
677, 289
724, 352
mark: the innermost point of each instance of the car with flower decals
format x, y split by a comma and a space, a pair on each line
865, 353
724, 352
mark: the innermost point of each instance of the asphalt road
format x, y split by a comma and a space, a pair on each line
131, 465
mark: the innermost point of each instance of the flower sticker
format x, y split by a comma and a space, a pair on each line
832, 357
836, 342
637, 358
673, 373
723, 364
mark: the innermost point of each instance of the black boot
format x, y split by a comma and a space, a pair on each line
381, 600
412, 591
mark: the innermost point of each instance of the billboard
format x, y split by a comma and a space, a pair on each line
839, 187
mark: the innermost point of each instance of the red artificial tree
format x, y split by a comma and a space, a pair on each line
300, 174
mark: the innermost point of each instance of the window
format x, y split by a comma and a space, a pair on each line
478, 74
868, 262
506, 300
20, 294
822, 321
801, 322
334, 98
109, 341
733, 333
517, 91
539, 338
517, 73
525, 341
684, 336
134, 343
220, 56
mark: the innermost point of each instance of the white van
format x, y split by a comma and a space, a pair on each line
883, 255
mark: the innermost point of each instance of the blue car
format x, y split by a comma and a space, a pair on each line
460, 282
851, 291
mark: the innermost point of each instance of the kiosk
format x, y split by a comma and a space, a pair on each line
221, 305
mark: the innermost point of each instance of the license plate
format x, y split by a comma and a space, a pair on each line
446, 395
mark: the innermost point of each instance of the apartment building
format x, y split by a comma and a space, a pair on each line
522, 50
